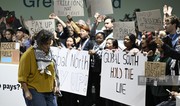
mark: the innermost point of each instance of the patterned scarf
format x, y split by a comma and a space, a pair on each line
43, 60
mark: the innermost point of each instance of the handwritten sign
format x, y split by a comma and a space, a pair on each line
149, 20
119, 77
10, 52
73, 66
155, 69
35, 26
69, 7
120, 29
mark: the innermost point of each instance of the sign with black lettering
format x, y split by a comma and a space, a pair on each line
155, 69
10, 89
119, 77
69, 7
73, 66
35, 26
149, 20
120, 29
10, 52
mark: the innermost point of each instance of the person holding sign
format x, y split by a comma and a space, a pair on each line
37, 72
112, 44
130, 43
95, 69
159, 92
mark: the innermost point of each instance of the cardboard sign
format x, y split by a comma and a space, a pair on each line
120, 29
10, 52
155, 69
69, 7
35, 26
149, 20
73, 66
119, 77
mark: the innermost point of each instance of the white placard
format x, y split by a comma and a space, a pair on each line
10, 90
69, 7
35, 26
101, 6
177, 100
119, 77
120, 29
149, 20
73, 66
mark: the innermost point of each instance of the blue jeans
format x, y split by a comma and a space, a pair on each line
41, 99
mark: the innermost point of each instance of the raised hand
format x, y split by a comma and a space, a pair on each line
169, 12
53, 16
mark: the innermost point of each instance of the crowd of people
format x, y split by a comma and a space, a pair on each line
38, 77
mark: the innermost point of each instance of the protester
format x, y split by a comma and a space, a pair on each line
61, 32
9, 33
85, 44
68, 99
130, 43
95, 70
159, 92
23, 38
37, 72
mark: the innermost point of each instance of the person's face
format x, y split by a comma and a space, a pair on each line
99, 38
108, 24
69, 43
83, 33
71, 31
8, 35
143, 41
46, 46
19, 35
14, 38
59, 28
127, 42
169, 27
109, 44
26, 36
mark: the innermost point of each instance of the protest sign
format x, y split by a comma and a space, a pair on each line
155, 69
35, 26
120, 29
119, 77
10, 52
73, 66
69, 7
10, 89
96, 6
149, 20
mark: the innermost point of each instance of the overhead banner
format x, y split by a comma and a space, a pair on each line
10, 52
73, 66
149, 20
35, 26
120, 29
69, 7
119, 77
